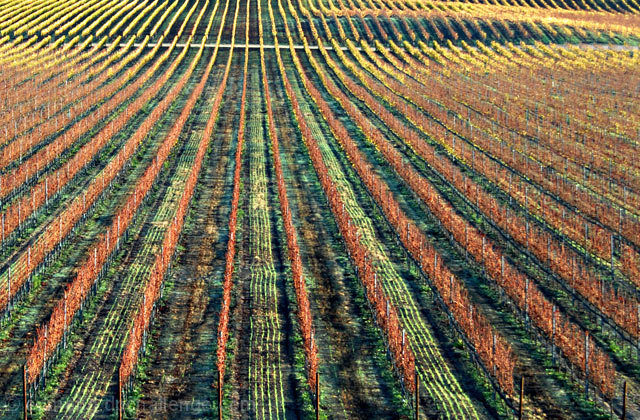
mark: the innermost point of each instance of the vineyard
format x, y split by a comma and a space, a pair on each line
281, 209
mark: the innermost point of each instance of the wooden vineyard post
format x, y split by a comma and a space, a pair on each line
638, 329
553, 335
548, 251
586, 364
9, 287
624, 401
521, 397
64, 331
120, 393
220, 394
613, 268
417, 384
24, 390
44, 366
317, 395
526, 302
493, 353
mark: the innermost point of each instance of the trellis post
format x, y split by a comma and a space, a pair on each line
317, 395
220, 394
520, 411
24, 390
624, 401
417, 385
120, 393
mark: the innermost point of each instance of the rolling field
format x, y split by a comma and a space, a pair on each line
350, 209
